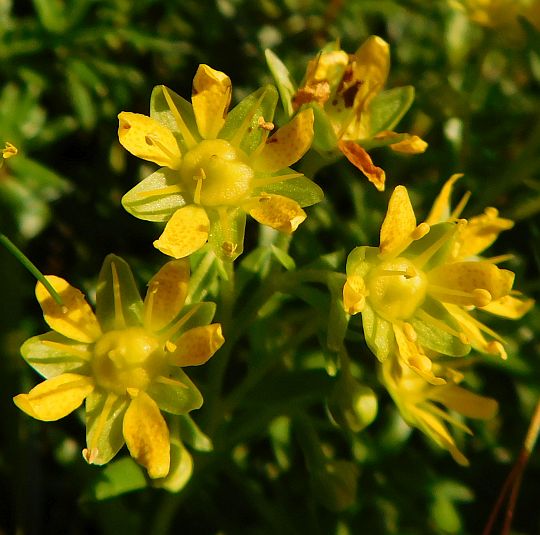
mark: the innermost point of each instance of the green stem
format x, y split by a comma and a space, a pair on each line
25, 261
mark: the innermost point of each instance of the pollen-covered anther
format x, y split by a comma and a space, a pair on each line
496, 348
90, 455
265, 125
420, 231
421, 362
229, 248
481, 297
409, 331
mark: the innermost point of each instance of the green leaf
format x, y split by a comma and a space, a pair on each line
117, 478
388, 107
433, 337
284, 82
242, 128
283, 258
118, 301
52, 354
255, 264
301, 189
139, 202
176, 394
52, 15
81, 99
192, 434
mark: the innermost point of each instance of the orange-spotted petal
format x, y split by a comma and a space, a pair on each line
412, 144
509, 306
287, 145
147, 435
74, 318
362, 161
166, 294
197, 345
145, 138
55, 398
276, 211
211, 97
185, 233
399, 224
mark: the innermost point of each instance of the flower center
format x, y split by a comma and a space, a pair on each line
128, 358
396, 289
216, 173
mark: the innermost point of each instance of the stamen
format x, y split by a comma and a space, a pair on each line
424, 316
153, 139
499, 259
496, 348
265, 125
237, 138
198, 188
168, 333
420, 231
409, 332
167, 190
479, 297
184, 130
119, 319
83, 354
149, 302
461, 205
408, 273
423, 258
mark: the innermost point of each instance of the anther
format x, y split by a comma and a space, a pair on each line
265, 125
420, 231
409, 332
481, 297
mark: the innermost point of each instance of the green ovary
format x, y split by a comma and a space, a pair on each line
127, 358
216, 173
396, 289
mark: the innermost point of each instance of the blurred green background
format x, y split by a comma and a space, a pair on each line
68, 67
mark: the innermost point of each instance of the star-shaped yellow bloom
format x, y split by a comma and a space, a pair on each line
217, 166
418, 289
346, 87
125, 360
419, 402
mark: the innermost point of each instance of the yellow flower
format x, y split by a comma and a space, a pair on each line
217, 166
125, 360
8, 152
419, 402
347, 86
417, 290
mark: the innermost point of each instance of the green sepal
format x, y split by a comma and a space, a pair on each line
226, 236
379, 334
324, 136
116, 271
284, 82
361, 260
434, 338
338, 319
107, 427
436, 233
159, 207
301, 189
283, 258
117, 478
181, 468
241, 125
203, 315
388, 107
45, 355
192, 434
160, 111
176, 395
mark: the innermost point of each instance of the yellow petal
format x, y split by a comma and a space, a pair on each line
362, 160
185, 233
147, 435
354, 294
372, 62
166, 294
441, 210
277, 211
211, 97
399, 224
480, 232
74, 318
55, 398
287, 145
9, 151
467, 283
509, 307
411, 145
466, 403
197, 345
145, 138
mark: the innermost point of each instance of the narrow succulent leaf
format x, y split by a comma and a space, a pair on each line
284, 81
